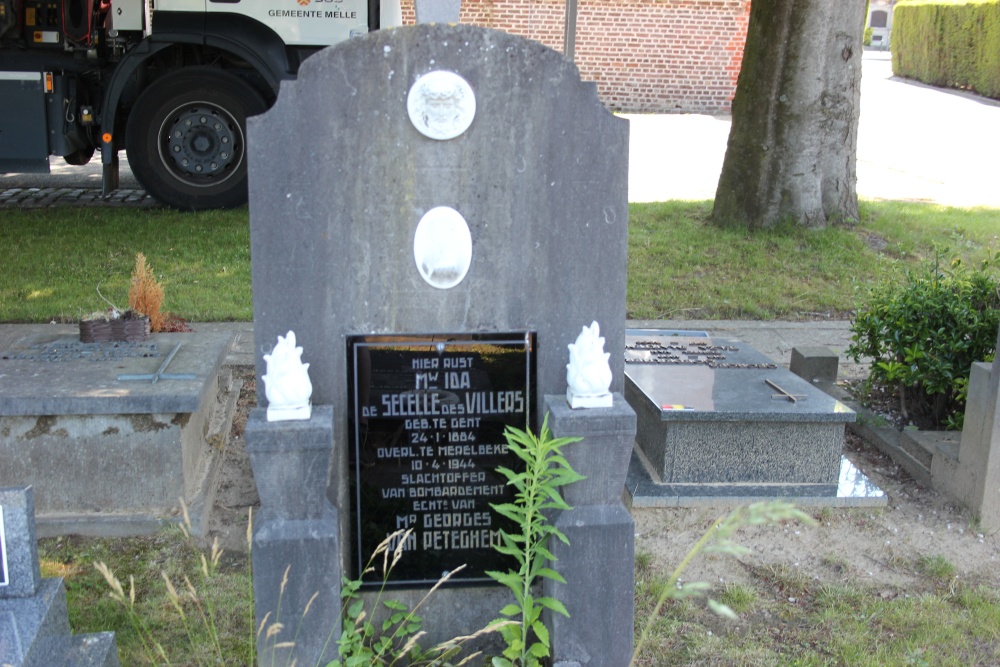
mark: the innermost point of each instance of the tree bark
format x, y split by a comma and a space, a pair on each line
793, 143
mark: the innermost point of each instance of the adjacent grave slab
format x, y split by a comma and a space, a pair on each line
717, 419
104, 452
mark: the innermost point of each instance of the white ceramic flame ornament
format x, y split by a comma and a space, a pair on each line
286, 383
588, 373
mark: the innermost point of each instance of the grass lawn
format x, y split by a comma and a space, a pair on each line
679, 267
55, 259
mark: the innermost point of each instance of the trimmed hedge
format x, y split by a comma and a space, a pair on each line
955, 44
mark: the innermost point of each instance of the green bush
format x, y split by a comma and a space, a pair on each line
953, 43
923, 334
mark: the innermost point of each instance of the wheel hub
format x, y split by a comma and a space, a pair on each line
202, 143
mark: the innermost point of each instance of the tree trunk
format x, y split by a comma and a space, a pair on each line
793, 143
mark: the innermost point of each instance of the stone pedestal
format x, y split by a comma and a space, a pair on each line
814, 363
34, 623
296, 539
599, 562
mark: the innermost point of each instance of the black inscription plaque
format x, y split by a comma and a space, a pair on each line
428, 415
4, 581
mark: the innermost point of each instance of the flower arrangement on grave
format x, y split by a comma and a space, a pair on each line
143, 316
145, 294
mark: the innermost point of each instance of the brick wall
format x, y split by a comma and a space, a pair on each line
647, 56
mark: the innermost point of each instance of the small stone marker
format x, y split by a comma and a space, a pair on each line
21, 576
814, 363
34, 625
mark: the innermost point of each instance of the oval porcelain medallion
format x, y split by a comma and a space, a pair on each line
441, 105
442, 247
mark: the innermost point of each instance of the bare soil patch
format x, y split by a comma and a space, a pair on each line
882, 547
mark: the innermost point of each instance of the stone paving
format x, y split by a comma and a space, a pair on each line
29, 198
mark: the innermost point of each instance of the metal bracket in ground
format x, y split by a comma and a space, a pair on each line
159, 374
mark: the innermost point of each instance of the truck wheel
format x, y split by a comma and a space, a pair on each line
186, 138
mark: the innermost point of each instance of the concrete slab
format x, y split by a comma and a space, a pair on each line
108, 455
55, 374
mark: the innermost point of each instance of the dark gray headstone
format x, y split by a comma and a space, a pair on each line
341, 178
540, 176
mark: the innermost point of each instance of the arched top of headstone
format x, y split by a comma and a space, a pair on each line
504, 138
382, 66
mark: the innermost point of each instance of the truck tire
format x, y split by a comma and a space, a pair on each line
186, 138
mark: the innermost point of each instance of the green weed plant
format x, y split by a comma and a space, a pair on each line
545, 471
367, 642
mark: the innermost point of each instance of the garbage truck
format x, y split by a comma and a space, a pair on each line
171, 82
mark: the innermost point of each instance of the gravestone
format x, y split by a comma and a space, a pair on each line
720, 423
34, 623
459, 196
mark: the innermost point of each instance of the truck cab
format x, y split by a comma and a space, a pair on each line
171, 82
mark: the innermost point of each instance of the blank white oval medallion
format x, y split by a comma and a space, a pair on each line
441, 105
442, 247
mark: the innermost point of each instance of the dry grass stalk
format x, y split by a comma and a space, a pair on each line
145, 294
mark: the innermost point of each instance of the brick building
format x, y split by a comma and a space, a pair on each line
647, 56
